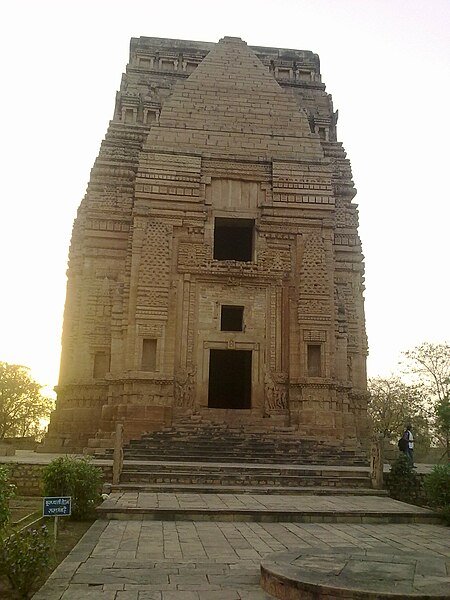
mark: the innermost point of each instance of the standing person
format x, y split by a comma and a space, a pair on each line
408, 436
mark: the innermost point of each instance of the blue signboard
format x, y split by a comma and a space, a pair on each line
57, 506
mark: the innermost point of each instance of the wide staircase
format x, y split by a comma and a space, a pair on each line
199, 456
198, 470
194, 439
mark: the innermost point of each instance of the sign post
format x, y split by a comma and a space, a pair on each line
57, 506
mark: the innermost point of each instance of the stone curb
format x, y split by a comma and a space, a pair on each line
267, 515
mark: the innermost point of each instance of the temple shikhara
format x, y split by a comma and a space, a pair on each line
215, 267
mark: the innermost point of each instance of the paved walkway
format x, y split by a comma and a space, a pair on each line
219, 558
154, 560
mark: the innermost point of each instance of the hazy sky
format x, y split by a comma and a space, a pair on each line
386, 63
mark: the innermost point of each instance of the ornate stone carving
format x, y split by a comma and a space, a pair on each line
314, 308
153, 285
184, 387
192, 255
314, 278
275, 391
276, 259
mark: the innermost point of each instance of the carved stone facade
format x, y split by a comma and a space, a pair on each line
216, 249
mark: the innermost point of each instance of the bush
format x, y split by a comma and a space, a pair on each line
7, 491
78, 478
23, 556
402, 482
437, 489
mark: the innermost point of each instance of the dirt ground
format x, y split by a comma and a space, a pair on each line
69, 532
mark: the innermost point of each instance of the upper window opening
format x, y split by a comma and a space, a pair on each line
231, 318
233, 239
148, 354
101, 365
314, 360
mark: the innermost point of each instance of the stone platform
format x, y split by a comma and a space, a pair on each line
261, 508
351, 573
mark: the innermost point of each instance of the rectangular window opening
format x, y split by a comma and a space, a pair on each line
148, 355
233, 239
129, 115
231, 318
101, 365
314, 360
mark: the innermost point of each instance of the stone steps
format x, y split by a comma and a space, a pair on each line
289, 451
232, 458
195, 439
209, 456
235, 474
264, 469
237, 479
247, 489
256, 458
267, 516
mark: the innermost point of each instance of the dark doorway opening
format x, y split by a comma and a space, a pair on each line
233, 239
230, 379
231, 318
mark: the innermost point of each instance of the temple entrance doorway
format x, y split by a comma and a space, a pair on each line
230, 379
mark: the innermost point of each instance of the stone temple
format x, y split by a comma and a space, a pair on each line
215, 267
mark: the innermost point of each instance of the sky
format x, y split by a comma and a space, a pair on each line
386, 64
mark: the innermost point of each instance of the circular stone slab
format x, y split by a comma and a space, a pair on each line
352, 573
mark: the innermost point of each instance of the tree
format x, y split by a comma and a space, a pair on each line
393, 404
430, 364
22, 406
442, 416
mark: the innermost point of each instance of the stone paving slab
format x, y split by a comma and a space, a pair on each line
260, 507
356, 573
156, 560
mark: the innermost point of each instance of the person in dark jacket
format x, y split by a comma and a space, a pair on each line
409, 449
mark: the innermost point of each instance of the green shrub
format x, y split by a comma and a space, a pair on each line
79, 478
7, 491
23, 556
437, 489
402, 482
